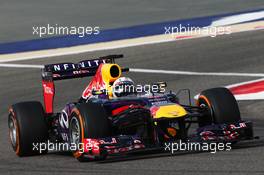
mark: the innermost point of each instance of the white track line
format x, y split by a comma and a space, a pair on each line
172, 72
22, 66
198, 73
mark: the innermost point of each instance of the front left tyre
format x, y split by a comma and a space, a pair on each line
27, 128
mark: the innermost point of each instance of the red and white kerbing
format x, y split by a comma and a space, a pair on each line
250, 90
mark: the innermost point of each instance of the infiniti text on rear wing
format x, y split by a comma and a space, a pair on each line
85, 68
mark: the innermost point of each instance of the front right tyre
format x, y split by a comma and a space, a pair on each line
220, 107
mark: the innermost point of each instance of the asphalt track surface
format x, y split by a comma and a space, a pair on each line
18, 17
241, 52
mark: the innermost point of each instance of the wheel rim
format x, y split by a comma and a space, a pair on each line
75, 131
12, 131
203, 104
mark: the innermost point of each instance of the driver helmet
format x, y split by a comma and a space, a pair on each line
123, 86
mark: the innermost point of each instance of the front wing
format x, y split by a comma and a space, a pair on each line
123, 144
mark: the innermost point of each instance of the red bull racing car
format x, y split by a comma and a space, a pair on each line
113, 117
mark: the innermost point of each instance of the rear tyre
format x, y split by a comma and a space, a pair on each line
27, 127
220, 105
88, 120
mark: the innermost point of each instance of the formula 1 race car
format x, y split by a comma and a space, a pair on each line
101, 124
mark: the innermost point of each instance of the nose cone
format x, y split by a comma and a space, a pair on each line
168, 111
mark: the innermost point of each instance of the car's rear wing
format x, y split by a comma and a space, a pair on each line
85, 68
62, 71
